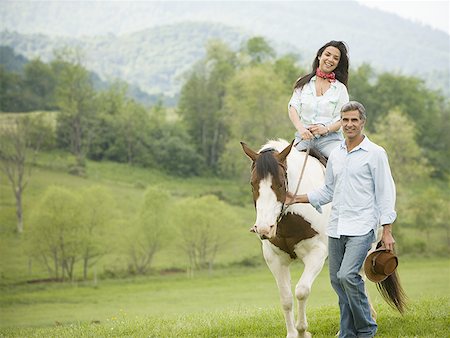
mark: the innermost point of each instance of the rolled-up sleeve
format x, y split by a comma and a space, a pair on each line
295, 100
384, 189
323, 195
343, 99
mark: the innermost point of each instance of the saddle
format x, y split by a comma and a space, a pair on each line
317, 154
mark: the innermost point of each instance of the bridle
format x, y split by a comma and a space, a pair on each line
284, 206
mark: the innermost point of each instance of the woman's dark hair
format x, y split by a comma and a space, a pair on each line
341, 70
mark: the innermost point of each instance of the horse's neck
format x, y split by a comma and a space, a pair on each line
314, 171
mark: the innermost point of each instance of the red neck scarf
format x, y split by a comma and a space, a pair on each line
328, 76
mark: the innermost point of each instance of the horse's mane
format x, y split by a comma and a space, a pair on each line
267, 164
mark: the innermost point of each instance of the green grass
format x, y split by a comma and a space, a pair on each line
426, 318
230, 302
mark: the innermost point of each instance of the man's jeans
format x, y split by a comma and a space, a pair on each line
346, 256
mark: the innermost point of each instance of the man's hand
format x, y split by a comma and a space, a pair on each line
290, 199
387, 238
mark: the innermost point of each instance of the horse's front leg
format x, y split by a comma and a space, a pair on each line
314, 261
278, 263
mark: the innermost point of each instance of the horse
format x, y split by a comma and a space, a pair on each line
296, 231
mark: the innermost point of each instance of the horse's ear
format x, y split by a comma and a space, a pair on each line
282, 156
250, 153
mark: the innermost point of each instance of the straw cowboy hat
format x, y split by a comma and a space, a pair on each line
380, 264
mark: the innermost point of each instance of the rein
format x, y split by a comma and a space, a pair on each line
284, 207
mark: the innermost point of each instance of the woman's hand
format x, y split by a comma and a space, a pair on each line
318, 129
306, 134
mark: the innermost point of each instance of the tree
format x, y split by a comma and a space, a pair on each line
97, 213
20, 141
430, 111
39, 86
174, 151
396, 133
11, 61
133, 124
68, 226
201, 104
258, 50
203, 226
123, 130
54, 235
74, 96
428, 209
256, 110
108, 105
152, 231
361, 85
287, 70
11, 85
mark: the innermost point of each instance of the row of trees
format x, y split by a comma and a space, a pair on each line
229, 96
73, 227
97, 124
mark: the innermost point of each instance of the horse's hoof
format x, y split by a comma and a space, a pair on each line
305, 334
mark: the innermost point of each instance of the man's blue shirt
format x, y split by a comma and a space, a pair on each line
362, 189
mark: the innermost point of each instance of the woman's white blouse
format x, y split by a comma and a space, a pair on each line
313, 109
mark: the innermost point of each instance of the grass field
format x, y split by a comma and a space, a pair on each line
231, 302
427, 318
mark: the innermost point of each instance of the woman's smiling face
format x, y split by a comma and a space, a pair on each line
329, 59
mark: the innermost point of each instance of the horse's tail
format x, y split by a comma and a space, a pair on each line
393, 293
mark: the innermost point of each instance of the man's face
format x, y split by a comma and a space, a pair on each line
352, 124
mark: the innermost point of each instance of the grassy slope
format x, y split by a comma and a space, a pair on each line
127, 186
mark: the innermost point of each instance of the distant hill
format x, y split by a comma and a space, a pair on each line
151, 44
15, 63
11, 61
154, 59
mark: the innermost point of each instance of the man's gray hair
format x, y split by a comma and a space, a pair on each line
355, 105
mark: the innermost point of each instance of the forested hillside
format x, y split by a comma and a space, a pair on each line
154, 60
150, 44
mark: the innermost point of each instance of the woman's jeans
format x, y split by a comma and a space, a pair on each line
324, 144
346, 256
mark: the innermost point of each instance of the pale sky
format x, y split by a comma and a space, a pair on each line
432, 13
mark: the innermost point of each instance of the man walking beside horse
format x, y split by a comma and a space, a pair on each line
359, 182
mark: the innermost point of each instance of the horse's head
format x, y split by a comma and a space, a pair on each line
269, 186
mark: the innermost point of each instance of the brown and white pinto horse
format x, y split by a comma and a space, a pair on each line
297, 231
